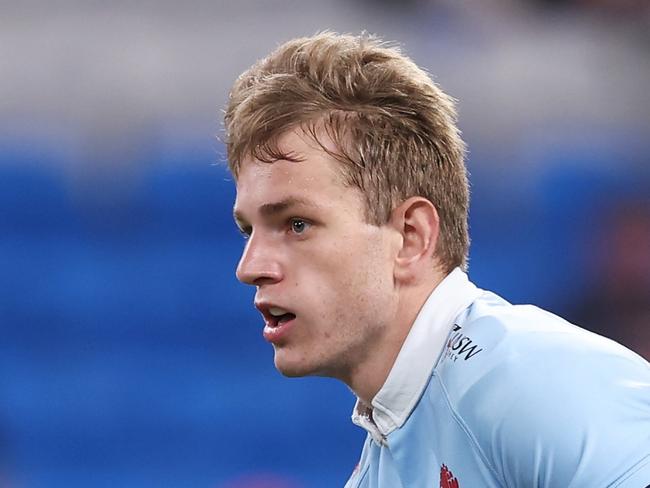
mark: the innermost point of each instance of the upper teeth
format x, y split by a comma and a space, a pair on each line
276, 312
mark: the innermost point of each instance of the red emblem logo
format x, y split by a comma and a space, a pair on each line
447, 479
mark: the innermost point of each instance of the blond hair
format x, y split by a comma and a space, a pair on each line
394, 129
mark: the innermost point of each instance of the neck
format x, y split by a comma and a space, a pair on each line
367, 377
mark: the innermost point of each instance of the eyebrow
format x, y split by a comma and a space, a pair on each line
274, 208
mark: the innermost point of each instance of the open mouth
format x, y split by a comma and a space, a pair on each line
277, 323
278, 316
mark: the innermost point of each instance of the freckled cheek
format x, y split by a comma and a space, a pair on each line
326, 285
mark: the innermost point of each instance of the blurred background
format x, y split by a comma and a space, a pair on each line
129, 354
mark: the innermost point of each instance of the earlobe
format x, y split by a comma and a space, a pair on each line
418, 222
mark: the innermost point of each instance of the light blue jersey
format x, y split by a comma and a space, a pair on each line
489, 394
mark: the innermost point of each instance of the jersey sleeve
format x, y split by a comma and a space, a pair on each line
639, 476
555, 414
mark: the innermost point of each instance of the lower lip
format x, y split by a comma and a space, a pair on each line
278, 333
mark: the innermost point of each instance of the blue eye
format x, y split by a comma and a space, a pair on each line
298, 226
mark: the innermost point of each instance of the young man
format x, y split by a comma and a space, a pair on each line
352, 192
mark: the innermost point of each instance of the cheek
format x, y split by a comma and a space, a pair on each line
343, 279
358, 284
372, 264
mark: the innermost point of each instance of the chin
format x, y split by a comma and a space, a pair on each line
293, 368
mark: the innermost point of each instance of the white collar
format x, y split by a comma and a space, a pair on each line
419, 354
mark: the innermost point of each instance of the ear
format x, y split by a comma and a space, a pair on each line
416, 219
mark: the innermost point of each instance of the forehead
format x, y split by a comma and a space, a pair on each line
314, 176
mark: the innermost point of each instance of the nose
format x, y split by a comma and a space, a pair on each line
258, 264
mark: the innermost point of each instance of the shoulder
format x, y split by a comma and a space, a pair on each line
525, 346
537, 391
